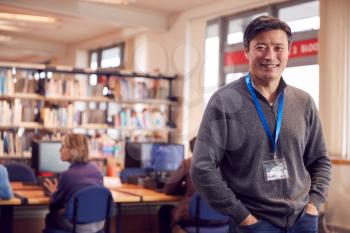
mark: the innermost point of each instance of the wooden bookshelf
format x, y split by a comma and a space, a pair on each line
15, 157
25, 125
142, 102
73, 99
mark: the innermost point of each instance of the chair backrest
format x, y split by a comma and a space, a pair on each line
88, 205
204, 216
20, 173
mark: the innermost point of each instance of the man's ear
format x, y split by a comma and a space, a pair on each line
246, 51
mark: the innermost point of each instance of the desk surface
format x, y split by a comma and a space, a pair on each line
34, 195
147, 195
20, 186
12, 201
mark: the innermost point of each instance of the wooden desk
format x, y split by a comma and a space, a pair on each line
120, 197
20, 186
10, 202
34, 195
147, 195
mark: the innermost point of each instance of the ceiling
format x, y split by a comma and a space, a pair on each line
76, 21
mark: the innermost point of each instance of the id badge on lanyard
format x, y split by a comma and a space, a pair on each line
275, 169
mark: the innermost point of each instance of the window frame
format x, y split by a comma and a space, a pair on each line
100, 50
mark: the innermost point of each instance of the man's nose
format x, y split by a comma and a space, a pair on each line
270, 54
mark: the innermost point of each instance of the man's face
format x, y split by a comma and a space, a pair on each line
268, 55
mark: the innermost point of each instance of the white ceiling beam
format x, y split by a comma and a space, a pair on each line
27, 45
113, 15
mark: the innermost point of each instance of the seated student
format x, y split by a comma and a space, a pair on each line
80, 174
170, 217
5, 187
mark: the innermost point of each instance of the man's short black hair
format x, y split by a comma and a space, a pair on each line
263, 24
192, 142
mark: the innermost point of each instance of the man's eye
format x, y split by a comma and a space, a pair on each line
260, 47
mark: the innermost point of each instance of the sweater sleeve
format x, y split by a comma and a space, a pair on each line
5, 187
316, 159
208, 153
58, 198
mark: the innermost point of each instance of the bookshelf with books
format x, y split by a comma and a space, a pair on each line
41, 101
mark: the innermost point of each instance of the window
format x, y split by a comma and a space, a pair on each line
211, 63
306, 19
232, 77
305, 78
236, 28
93, 60
111, 57
305, 74
107, 57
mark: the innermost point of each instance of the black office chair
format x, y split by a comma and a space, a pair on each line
20, 173
89, 205
204, 219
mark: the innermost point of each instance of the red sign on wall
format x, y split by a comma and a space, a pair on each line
301, 48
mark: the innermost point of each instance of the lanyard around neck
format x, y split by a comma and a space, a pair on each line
261, 114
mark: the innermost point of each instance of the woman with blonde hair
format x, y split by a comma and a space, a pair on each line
80, 174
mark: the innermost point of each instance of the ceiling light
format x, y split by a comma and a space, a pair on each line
9, 28
5, 38
28, 18
117, 2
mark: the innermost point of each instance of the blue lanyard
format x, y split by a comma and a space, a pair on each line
261, 114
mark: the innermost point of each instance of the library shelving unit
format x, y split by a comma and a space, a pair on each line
44, 102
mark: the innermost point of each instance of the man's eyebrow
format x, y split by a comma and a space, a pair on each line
260, 43
274, 44
281, 44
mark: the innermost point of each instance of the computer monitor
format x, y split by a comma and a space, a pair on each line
154, 156
46, 157
133, 155
162, 157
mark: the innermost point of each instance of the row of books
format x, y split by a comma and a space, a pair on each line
138, 88
68, 85
148, 118
10, 113
58, 117
6, 83
13, 144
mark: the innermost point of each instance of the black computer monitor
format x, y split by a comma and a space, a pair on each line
133, 155
155, 156
46, 157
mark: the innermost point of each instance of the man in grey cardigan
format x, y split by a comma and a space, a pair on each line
260, 156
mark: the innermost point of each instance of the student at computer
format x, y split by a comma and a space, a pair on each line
5, 187
80, 174
170, 218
